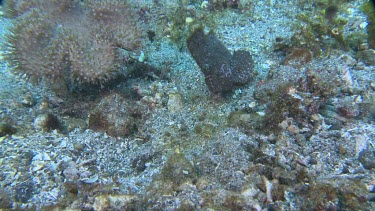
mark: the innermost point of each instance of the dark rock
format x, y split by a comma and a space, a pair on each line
223, 71
5, 200
139, 162
27, 157
367, 159
331, 12
71, 187
28, 101
367, 56
48, 122
7, 129
143, 70
266, 160
151, 35
286, 177
335, 123
24, 192
371, 197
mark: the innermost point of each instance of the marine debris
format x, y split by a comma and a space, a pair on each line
223, 71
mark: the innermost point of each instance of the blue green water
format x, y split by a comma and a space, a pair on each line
195, 105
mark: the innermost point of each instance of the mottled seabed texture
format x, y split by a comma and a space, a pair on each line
187, 105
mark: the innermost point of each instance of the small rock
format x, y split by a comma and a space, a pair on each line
371, 197
363, 25
7, 129
372, 85
298, 57
113, 116
24, 191
102, 202
363, 46
48, 122
78, 146
205, 129
90, 180
361, 143
350, 61
114, 202
286, 177
70, 171
28, 101
37, 165
249, 193
359, 66
42, 156
6, 201
189, 20
367, 159
367, 56
174, 102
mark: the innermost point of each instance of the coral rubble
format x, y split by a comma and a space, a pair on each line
69, 41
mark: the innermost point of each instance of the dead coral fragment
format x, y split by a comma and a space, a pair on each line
69, 40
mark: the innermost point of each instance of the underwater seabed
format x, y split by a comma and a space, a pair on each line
293, 128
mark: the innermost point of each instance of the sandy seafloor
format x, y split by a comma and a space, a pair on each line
185, 155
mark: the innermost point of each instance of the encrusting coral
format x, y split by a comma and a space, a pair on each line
69, 40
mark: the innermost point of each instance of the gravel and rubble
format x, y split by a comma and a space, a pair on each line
187, 149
